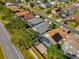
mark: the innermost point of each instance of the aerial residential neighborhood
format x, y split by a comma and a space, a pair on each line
39, 29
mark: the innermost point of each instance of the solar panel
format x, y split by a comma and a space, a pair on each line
57, 37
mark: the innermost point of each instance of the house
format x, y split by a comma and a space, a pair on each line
29, 16
57, 35
13, 8
22, 13
77, 28
23, 0
45, 41
22, 4
54, 13
8, 3
18, 0
71, 45
66, 30
53, 2
41, 28
45, 5
76, 5
42, 49
68, 11
36, 53
34, 21
74, 17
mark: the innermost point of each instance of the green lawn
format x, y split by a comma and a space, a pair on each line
77, 13
46, 14
35, 9
72, 25
1, 54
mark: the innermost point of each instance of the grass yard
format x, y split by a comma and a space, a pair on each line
35, 9
77, 13
1, 54
73, 25
46, 14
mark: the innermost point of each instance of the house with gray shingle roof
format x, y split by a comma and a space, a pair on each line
34, 21
42, 27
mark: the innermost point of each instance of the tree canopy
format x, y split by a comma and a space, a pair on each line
54, 53
16, 24
23, 37
54, 25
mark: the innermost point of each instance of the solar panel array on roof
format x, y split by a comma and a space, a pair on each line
57, 37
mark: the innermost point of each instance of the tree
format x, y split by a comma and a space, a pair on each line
49, 11
73, 0
32, 4
45, 1
72, 25
27, 0
54, 53
23, 37
54, 25
1, 7
16, 24
6, 14
1, 1
11, 1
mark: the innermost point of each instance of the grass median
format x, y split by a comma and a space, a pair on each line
1, 54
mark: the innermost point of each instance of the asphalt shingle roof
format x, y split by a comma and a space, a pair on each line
42, 27
35, 21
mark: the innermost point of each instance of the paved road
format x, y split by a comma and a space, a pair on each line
8, 49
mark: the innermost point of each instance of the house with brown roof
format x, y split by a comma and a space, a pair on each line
74, 17
13, 8
29, 16
22, 13
57, 35
54, 13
